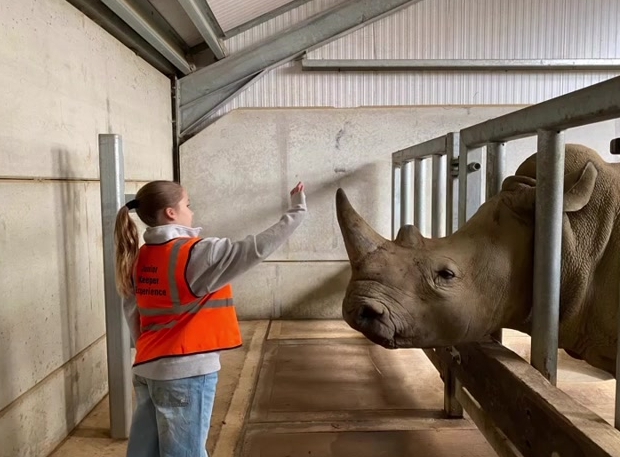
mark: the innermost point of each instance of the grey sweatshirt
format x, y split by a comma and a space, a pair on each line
213, 263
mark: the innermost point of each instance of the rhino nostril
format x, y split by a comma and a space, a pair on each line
368, 312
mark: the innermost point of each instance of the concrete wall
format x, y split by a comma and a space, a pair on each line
239, 171
64, 80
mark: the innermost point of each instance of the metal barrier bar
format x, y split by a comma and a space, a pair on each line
420, 210
395, 199
439, 199
112, 185
496, 168
451, 406
453, 142
496, 173
548, 120
406, 210
548, 252
422, 150
596, 103
470, 182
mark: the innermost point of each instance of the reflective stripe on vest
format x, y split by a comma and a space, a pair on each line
173, 321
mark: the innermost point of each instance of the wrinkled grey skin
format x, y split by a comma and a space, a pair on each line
417, 292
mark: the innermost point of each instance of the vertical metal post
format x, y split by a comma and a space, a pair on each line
470, 182
420, 210
451, 406
547, 252
452, 156
496, 168
112, 186
617, 411
406, 209
496, 172
440, 175
395, 199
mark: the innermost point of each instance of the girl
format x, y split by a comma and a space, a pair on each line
178, 305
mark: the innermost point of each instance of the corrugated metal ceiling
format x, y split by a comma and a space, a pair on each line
448, 29
232, 16
437, 29
278, 24
233, 13
487, 29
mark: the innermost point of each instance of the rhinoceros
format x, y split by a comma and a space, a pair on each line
417, 292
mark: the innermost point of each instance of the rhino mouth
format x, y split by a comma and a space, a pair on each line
372, 320
388, 343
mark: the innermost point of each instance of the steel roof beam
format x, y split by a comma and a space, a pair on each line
198, 12
148, 29
278, 49
211, 103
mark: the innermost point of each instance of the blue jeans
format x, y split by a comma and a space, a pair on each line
172, 418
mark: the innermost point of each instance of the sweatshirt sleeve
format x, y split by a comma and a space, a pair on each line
130, 309
214, 262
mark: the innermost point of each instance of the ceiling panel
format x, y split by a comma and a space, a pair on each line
233, 13
180, 22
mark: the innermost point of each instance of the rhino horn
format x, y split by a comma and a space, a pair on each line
359, 238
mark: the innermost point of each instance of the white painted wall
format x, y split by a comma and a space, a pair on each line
239, 171
64, 80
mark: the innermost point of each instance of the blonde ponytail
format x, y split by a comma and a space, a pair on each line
127, 247
150, 202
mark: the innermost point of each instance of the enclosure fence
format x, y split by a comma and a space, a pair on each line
467, 167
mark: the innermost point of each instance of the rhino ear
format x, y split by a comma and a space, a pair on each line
409, 236
578, 188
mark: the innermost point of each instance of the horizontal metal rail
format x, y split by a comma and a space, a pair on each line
596, 103
436, 146
460, 64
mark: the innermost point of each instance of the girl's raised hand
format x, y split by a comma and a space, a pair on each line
298, 188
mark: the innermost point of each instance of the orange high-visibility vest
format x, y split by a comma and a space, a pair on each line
174, 321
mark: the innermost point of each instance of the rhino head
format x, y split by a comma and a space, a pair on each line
433, 292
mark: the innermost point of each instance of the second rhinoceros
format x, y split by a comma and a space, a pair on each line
417, 292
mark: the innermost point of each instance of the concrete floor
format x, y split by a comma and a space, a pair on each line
317, 388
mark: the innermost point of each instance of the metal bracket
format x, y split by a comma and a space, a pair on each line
456, 355
471, 167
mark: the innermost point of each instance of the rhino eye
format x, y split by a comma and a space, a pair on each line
446, 274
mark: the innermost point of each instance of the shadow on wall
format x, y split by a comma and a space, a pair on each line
322, 300
317, 290
361, 182
70, 199
7, 359
59, 315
